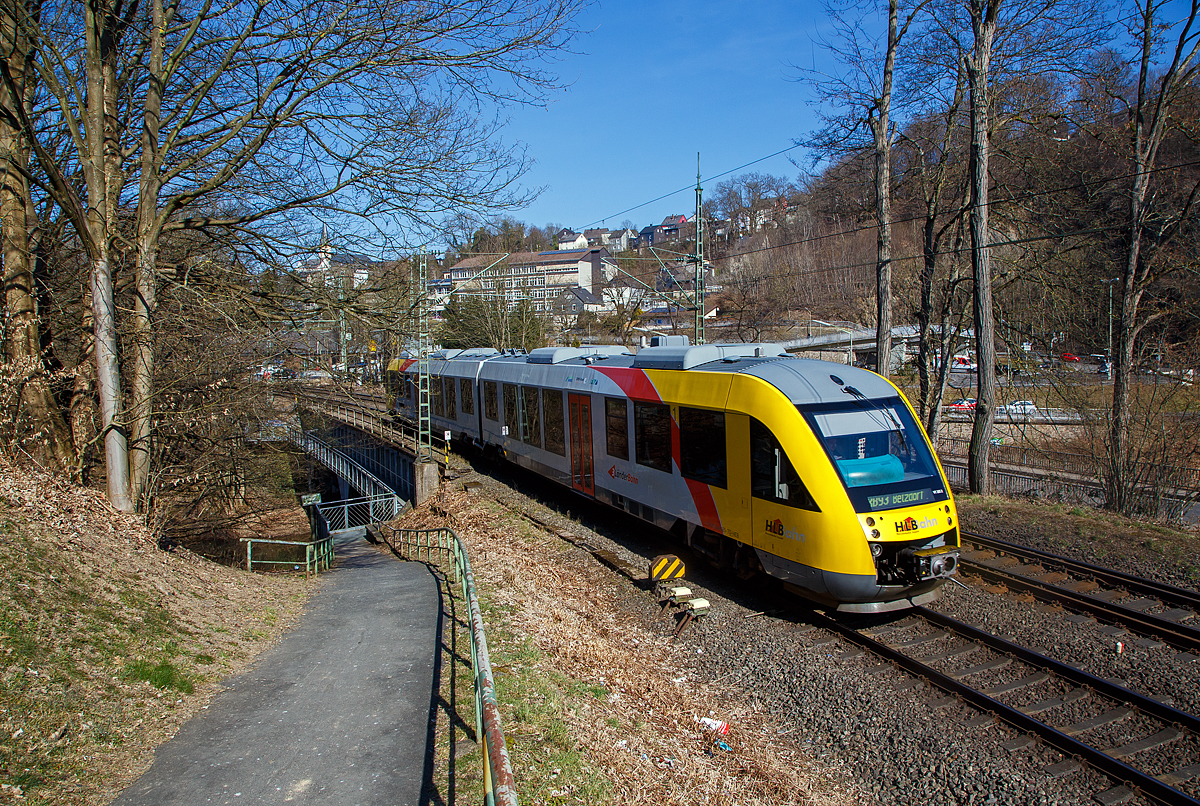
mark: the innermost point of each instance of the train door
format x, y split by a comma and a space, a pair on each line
580, 416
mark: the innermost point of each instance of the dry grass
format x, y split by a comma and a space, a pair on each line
589, 693
108, 644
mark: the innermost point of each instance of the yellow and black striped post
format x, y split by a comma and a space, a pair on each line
666, 566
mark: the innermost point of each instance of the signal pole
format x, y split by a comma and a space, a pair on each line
698, 258
424, 347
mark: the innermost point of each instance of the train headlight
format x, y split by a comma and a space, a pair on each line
870, 521
949, 521
876, 548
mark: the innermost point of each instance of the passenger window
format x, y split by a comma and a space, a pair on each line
490, 407
552, 416
512, 414
616, 427
451, 399
702, 445
652, 435
435, 397
468, 396
531, 422
772, 477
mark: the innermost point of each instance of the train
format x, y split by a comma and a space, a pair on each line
818, 474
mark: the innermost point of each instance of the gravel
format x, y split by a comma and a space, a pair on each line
899, 739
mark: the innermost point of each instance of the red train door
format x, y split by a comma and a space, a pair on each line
580, 416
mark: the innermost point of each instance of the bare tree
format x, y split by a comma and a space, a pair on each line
33, 399
234, 130
1149, 228
863, 95
995, 40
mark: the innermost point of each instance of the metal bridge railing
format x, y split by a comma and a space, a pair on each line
443, 547
397, 433
359, 513
355, 474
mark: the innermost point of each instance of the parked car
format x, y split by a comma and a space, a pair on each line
965, 404
1070, 358
1022, 408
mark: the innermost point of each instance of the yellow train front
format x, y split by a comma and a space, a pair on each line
813, 472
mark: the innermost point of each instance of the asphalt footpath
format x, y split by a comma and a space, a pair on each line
338, 713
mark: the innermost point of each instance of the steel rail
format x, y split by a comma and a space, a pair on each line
1180, 636
1149, 705
1112, 768
1176, 596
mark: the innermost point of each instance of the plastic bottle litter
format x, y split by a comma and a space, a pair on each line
1120, 647
722, 728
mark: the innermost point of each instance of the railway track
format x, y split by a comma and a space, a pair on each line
1143, 746
1149, 608
1038, 696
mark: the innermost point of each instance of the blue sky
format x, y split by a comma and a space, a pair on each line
651, 85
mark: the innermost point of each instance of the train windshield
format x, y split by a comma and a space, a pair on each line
879, 451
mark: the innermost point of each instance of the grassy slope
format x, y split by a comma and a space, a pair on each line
108, 644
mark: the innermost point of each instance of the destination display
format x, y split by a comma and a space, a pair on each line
904, 499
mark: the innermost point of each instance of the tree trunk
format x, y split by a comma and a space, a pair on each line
1154, 104
39, 413
100, 213
983, 19
880, 124
141, 403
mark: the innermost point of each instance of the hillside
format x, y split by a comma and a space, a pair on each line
107, 643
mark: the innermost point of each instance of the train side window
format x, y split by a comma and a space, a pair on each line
531, 417
467, 396
552, 416
491, 408
702, 445
451, 399
435, 397
652, 435
512, 412
772, 477
616, 427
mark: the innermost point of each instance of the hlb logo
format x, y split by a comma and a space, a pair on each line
911, 524
777, 528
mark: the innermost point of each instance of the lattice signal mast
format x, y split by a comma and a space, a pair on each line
424, 348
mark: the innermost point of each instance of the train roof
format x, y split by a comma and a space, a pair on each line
803, 380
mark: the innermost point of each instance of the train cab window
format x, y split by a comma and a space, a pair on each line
467, 396
512, 411
437, 404
552, 417
616, 427
874, 442
652, 435
702, 445
531, 417
491, 408
451, 399
772, 476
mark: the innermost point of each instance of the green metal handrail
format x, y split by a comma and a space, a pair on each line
318, 554
499, 788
